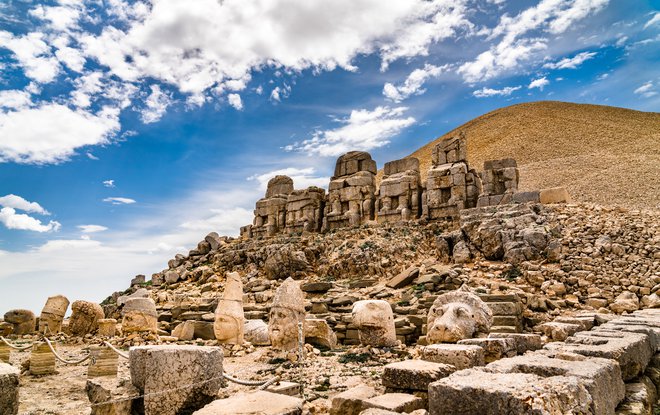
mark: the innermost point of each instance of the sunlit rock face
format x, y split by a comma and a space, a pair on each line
139, 315
287, 311
50, 320
85, 317
304, 210
270, 211
229, 319
375, 322
457, 315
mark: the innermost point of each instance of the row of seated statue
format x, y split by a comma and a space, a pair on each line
353, 197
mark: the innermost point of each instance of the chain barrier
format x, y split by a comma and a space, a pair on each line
61, 359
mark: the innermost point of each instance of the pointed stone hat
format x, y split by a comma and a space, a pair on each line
231, 303
290, 296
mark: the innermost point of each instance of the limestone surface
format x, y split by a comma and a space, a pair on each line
286, 313
8, 389
256, 332
399, 197
304, 210
139, 315
351, 401
318, 332
461, 356
254, 403
414, 374
85, 317
375, 322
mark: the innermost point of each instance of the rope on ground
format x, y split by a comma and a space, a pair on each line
61, 359
263, 383
119, 352
21, 348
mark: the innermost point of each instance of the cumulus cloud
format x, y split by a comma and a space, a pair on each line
490, 92
413, 83
33, 54
14, 99
119, 200
18, 202
647, 90
92, 228
571, 63
539, 83
155, 105
235, 101
21, 221
52, 133
109, 183
362, 130
302, 178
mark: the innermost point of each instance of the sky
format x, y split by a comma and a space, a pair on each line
131, 129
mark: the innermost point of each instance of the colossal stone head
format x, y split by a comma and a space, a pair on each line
287, 311
140, 315
457, 315
229, 319
85, 317
279, 185
52, 314
375, 323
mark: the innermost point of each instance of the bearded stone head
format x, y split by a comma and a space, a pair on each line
457, 315
287, 311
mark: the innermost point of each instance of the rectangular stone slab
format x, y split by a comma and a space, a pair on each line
254, 403
461, 356
473, 391
414, 374
351, 401
8, 389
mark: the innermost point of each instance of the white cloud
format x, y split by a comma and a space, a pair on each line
235, 101
17, 202
33, 54
86, 86
20, 221
119, 200
654, 20
302, 178
109, 183
571, 63
362, 130
278, 93
539, 83
156, 105
413, 83
489, 92
91, 156
61, 18
647, 90
92, 228
52, 133
14, 99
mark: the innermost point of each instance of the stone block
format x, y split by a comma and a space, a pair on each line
103, 362
42, 360
505, 308
318, 333
9, 376
601, 377
641, 398
401, 166
404, 278
554, 195
111, 396
526, 197
256, 332
168, 368
395, 402
285, 388
474, 391
461, 356
185, 330
254, 403
414, 374
107, 327
494, 349
523, 341
23, 321
559, 332
351, 401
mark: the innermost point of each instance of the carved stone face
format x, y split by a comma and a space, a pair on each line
283, 328
226, 328
454, 322
375, 322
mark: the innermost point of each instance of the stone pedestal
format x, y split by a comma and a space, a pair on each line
8, 389
42, 360
102, 362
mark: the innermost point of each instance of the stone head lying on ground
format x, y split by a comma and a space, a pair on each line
375, 322
457, 315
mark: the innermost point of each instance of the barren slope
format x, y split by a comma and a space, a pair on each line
603, 155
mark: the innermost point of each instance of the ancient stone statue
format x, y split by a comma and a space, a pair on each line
23, 321
351, 193
451, 185
287, 311
500, 181
52, 314
139, 315
304, 210
270, 211
85, 317
399, 195
375, 322
457, 315
229, 319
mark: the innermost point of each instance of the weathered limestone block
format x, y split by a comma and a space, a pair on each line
50, 320
139, 315
414, 374
42, 360
8, 389
5, 353
351, 192
625, 302
499, 182
286, 313
85, 317
138, 280
254, 403
395, 402
554, 195
229, 317
156, 369
270, 211
461, 356
474, 391
304, 210
494, 349
559, 332
400, 192
601, 377
375, 323
457, 315
103, 362
23, 321
318, 333
524, 341
404, 278
256, 332
6, 328
641, 398
184, 330
204, 330
109, 396
139, 293
632, 350
351, 401
450, 185
107, 327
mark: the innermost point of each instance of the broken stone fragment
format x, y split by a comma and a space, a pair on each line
414, 374
253, 403
50, 320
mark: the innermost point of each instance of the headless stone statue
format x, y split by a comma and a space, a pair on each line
287, 311
229, 318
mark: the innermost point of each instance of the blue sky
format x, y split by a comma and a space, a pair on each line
131, 129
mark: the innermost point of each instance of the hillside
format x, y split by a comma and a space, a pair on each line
603, 155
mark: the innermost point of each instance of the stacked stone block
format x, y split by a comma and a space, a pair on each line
499, 182
270, 211
400, 192
304, 210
